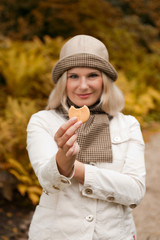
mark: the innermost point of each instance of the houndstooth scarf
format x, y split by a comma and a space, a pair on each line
94, 136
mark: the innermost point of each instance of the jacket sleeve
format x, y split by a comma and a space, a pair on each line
126, 187
42, 151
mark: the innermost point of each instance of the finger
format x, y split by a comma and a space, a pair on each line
68, 134
70, 143
64, 127
73, 151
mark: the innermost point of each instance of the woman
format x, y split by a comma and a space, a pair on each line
92, 174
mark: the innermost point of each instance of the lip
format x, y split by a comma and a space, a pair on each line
84, 96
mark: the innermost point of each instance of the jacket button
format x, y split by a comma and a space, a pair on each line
55, 187
88, 191
132, 205
64, 181
89, 218
92, 163
110, 198
117, 139
45, 191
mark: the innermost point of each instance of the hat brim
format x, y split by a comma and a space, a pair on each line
83, 60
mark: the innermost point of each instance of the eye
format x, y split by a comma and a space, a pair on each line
93, 75
73, 76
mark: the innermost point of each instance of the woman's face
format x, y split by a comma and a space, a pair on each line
84, 86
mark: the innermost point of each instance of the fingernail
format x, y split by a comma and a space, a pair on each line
73, 119
79, 122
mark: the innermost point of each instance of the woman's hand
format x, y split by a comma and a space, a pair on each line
66, 139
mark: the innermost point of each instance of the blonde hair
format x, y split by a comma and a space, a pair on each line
58, 95
112, 99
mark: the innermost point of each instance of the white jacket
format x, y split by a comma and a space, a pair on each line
101, 209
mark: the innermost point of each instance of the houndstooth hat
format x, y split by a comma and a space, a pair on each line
83, 51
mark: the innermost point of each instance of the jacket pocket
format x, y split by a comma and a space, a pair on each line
120, 141
119, 138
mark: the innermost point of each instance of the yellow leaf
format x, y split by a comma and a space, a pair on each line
15, 230
35, 189
26, 179
9, 214
15, 164
21, 178
16, 174
34, 198
22, 189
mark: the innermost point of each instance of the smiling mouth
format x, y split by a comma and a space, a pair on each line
84, 95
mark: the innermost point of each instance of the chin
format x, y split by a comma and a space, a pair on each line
84, 103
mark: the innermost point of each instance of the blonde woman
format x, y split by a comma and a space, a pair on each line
93, 173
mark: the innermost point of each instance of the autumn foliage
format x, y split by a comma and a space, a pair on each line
31, 35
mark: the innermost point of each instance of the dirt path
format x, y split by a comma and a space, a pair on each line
147, 214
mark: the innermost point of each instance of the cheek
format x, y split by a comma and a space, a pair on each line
71, 84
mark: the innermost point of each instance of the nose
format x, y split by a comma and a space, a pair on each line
83, 83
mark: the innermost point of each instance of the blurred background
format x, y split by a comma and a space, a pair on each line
31, 35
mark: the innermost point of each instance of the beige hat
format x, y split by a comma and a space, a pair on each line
83, 51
